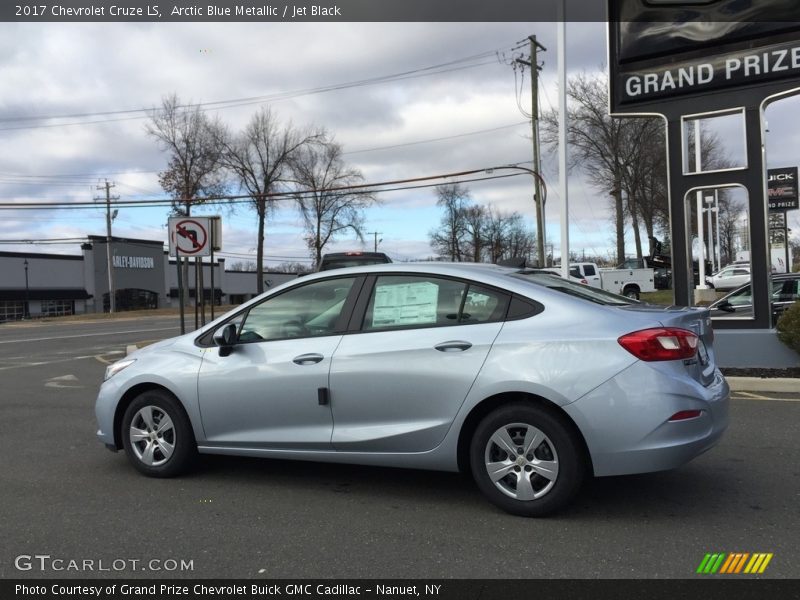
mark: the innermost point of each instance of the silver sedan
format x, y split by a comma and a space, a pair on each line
529, 382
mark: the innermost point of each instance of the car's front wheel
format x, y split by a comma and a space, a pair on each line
157, 435
526, 460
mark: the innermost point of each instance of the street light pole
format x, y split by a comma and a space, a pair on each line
26, 313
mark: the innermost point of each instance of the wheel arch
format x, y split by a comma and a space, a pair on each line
129, 396
492, 403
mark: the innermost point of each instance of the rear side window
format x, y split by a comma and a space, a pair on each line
589, 270
402, 301
596, 295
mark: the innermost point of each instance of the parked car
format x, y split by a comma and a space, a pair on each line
341, 260
730, 277
739, 303
528, 381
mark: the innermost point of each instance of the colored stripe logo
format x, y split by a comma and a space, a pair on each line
734, 563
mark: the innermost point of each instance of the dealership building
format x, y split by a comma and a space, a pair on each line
143, 274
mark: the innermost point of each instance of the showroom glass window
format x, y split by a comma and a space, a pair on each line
305, 311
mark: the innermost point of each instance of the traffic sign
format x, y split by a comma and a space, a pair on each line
189, 236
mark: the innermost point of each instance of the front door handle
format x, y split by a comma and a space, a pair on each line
307, 359
453, 346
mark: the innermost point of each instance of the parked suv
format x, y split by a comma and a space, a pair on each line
340, 260
729, 278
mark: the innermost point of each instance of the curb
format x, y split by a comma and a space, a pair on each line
784, 385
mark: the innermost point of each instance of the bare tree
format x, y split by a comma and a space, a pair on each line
475, 222
521, 241
476, 232
730, 213
241, 266
449, 240
194, 171
191, 138
260, 158
597, 141
327, 203
292, 267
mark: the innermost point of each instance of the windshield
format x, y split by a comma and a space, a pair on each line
586, 292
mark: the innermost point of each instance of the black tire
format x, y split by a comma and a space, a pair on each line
151, 453
631, 292
558, 447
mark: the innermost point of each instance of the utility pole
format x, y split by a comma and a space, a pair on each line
377, 241
112, 304
537, 163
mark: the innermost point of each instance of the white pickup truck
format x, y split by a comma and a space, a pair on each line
626, 282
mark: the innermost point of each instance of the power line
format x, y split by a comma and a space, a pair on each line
289, 195
21, 176
439, 139
141, 113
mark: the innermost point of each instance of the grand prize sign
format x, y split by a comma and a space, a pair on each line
701, 47
694, 61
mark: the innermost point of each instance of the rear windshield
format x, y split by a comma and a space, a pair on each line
596, 295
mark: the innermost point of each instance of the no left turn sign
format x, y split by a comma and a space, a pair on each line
189, 237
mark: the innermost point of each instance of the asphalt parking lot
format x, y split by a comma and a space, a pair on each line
64, 495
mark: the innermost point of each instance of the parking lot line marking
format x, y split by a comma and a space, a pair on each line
43, 362
764, 398
752, 395
66, 337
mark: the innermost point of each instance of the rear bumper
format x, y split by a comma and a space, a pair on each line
626, 425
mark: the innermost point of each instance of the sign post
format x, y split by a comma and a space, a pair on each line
188, 236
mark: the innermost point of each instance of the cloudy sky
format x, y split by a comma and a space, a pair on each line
431, 121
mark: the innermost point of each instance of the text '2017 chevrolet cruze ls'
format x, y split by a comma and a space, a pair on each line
526, 380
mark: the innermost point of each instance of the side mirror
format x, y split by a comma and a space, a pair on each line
726, 307
225, 338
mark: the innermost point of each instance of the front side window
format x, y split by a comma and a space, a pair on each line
305, 311
402, 301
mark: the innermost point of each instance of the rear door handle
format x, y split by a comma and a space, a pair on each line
453, 346
307, 359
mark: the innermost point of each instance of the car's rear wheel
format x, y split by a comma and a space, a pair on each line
157, 435
526, 460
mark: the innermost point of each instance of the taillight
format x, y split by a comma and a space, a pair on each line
683, 415
661, 343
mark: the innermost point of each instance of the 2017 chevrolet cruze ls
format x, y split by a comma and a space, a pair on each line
527, 381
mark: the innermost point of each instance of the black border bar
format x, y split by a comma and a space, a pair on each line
708, 587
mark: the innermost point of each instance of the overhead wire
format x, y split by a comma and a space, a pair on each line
141, 113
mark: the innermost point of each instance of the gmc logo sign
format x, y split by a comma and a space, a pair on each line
782, 189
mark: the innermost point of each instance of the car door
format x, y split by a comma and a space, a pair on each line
271, 390
398, 382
